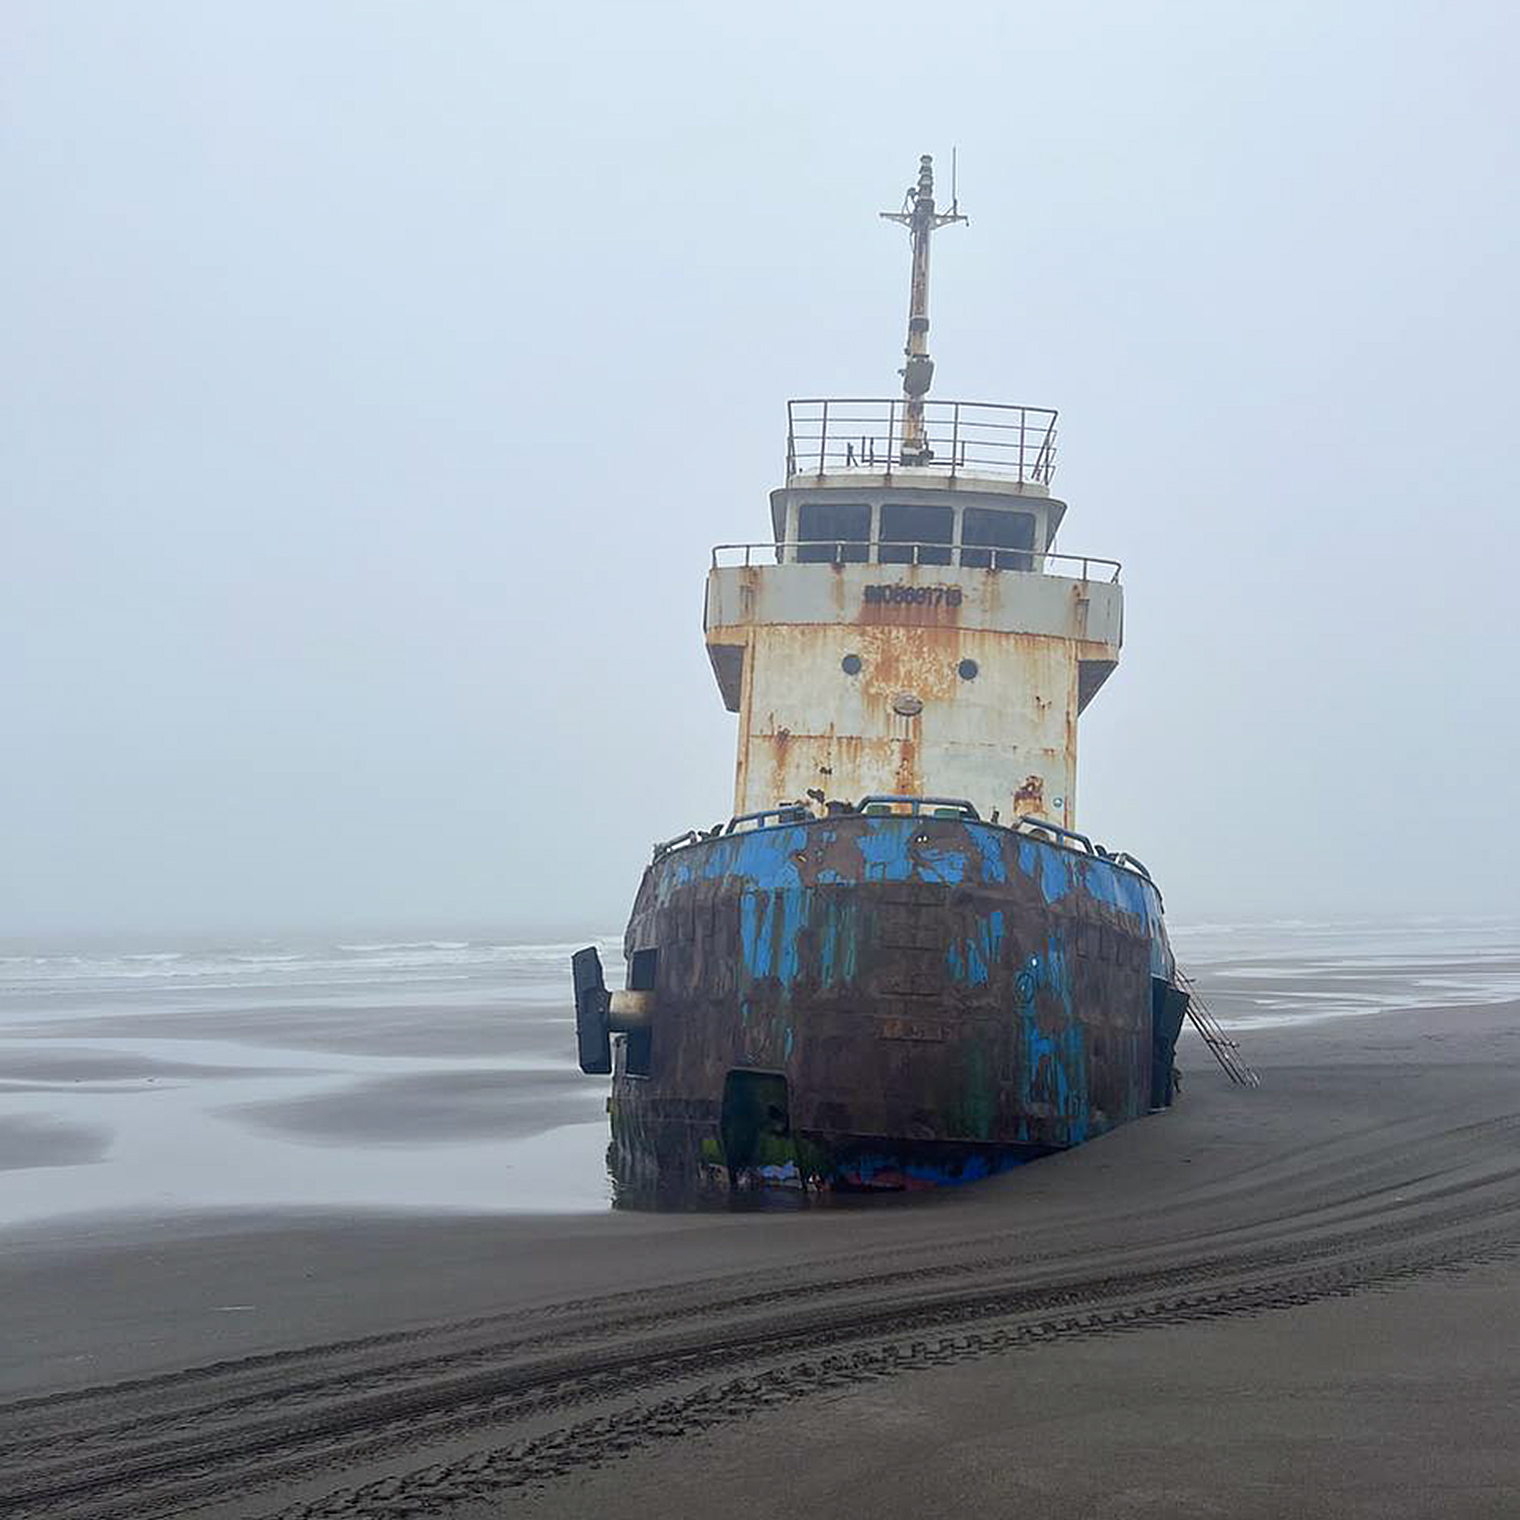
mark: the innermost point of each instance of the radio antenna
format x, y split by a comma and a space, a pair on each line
921, 219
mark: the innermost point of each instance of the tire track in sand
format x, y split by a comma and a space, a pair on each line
226, 1442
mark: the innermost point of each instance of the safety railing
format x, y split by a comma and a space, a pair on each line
865, 552
937, 807
887, 804
786, 812
865, 435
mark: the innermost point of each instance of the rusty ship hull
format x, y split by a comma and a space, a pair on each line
886, 1001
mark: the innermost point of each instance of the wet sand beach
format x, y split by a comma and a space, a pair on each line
1299, 1300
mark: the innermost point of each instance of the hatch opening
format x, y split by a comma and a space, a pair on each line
756, 1128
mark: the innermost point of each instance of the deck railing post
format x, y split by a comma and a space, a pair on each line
823, 438
955, 436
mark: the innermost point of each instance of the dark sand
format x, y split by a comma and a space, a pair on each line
1296, 1301
1389, 1404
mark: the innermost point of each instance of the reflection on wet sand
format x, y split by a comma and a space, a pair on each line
430, 1107
27, 1141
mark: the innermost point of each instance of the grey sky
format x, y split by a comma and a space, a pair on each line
376, 377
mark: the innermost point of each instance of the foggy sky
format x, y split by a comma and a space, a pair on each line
376, 378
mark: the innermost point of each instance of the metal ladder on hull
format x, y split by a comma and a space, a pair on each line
1224, 1049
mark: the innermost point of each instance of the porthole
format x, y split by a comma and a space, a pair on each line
850, 664
967, 669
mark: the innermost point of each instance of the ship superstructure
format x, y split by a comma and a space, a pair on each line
899, 961
866, 648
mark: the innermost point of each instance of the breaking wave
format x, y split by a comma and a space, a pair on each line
290, 966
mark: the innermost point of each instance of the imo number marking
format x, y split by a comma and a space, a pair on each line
930, 596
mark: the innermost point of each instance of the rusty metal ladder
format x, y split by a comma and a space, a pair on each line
1224, 1049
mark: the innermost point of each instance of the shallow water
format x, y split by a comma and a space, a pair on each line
432, 1074
441, 1074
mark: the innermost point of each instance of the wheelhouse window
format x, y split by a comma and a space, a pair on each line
833, 530
905, 525
996, 540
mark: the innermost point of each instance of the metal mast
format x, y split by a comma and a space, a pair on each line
920, 218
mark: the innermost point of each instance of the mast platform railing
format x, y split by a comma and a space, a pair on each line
864, 435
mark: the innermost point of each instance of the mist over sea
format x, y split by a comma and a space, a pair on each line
440, 1073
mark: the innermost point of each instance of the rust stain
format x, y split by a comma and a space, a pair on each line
912, 1029
805, 723
1068, 811
1030, 797
831, 856
922, 661
837, 587
780, 744
749, 592
907, 769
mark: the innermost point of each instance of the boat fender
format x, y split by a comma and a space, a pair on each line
592, 1004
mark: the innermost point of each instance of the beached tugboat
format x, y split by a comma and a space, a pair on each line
899, 964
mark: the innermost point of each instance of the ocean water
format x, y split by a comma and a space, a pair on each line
1267, 973
440, 1073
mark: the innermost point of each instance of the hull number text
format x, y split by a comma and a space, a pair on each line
931, 596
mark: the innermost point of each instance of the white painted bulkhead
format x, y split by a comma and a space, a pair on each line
959, 679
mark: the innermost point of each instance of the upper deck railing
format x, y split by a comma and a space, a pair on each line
965, 437
1093, 567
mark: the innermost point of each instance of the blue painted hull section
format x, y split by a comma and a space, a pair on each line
941, 998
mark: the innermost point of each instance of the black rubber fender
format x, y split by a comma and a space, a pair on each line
592, 1038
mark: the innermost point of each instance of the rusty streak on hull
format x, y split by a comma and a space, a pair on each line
940, 996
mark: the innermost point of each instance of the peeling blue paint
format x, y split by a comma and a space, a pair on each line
990, 847
890, 1171
756, 910
794, 917
840, 941
884, 850
1028, 857
1072, 1066
769, 940
1119, 889
1055, 1062
971, 961
1049, 865
1055, 874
